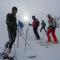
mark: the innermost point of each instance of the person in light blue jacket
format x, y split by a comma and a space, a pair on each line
20, 26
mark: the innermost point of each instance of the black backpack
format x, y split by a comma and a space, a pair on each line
54, 23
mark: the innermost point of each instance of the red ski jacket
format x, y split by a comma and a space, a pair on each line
35, 24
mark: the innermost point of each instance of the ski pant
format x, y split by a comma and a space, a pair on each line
42, 28
52, 32
12, 36
36, 33
20, 31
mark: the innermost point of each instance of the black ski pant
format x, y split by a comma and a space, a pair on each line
36, 33
42, 28
12, 36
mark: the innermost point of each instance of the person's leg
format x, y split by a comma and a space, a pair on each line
19, 32
48, 35
41, 29
7, 49
54, 36
22, 31
38, 37
36, 33
34, 30
13, 36
44, 29
9, 35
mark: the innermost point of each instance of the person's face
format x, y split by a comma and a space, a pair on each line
49, 17
33, 18
14, 12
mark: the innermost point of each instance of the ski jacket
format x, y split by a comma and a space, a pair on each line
52, 24
35, 24
43, 24
11, 22
20, 24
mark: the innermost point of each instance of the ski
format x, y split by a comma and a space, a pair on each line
44, 44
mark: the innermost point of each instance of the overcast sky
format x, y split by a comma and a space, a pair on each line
39, 8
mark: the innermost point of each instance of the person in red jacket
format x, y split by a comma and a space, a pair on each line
35, 26
51, 29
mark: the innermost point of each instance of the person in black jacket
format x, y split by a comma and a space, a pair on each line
43, 26
11, 27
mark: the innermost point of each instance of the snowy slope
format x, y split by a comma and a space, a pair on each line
33, 48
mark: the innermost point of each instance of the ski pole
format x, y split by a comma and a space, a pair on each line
26, 36
18, 38
23, 39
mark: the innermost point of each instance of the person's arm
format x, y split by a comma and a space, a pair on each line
30, 24
8, 20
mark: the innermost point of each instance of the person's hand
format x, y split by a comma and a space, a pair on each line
47, 28
30, 24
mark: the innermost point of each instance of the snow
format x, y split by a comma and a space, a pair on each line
33, 50
41, 52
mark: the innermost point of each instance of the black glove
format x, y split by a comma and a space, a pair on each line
30, 24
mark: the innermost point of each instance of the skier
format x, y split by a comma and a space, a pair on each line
12, 30
35, 26
43, 26
20, 27
51, 29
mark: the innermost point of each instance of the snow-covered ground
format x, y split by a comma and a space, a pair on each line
33, 50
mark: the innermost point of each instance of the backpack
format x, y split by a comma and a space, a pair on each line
54, 23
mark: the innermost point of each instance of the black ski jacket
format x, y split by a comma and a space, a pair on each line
11, 22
